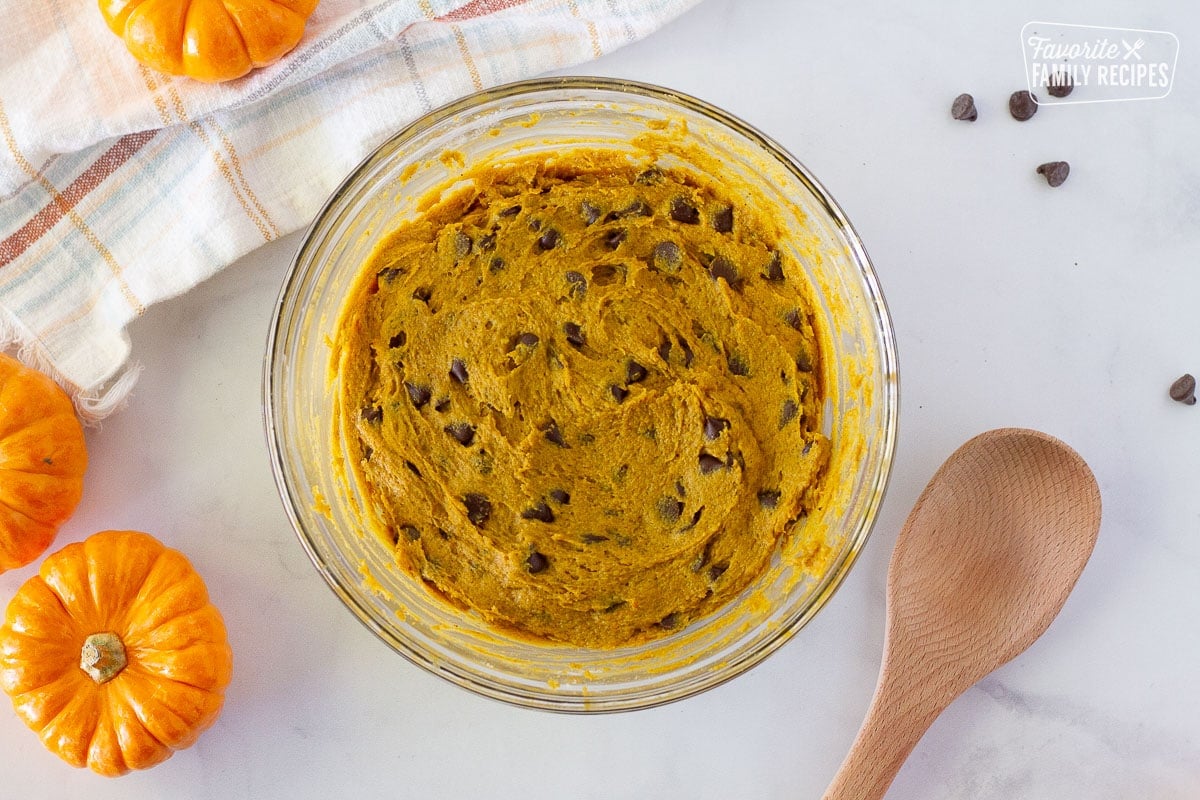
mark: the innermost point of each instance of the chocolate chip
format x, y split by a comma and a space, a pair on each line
679, 489
713, 427
804, 362
788, 412
794, 318
411, 532
593, 538
722, 220
372, 414
695, 521
574, 334
553, 434
560, 496
412, 468
614, 606
683, 211
1060, 84
443, 534
590, 212
419, 394
398, 340
618, 393
688, 355
479, 509
1055, 172
367, 453
393, 536
496, 264
664, 350
722, 267
535, 224
612, 240
667, 256
578, 283
710, 464
669, 621
461, 432
637, 208
540, 512
669, 508
768, 499
548, 240
511, 211
1183, 390
1022, 105
738, 365
963, 108
717, 570
635, 372
487, 242
528, 339
462, 245
442, 405
458, 370
651, 176
774, 271
537, 563
388, 274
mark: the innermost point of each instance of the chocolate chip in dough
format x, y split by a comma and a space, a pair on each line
664, 349
963, 108
667, 256
578, 283
683, 211
688, 355
612, 240
768, 499
1022, 105
713, 427
670, 621
788, 412
553, 434
590, 212
462, 245
618, 393
458, 370
537, 563
1183, 390
487, 242
669, 509
574, 334
398, 340
635, 373
419, 394
372, 414
422, 293
528, 339
548, 240
461, 432
637, 208
722, 267
411, 532
479, 509
710, 464
541, 512
651, 176
738, 365
722, 220
774, 269
560, 496
511, 211
1055, 172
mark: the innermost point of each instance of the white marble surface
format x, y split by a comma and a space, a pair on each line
1068, 310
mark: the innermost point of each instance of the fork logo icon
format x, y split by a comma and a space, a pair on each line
1132, 49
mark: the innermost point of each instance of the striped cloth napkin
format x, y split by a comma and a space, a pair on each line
120, 187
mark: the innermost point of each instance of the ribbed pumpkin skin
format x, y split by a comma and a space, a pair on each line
42, 460
178, 660
209, 40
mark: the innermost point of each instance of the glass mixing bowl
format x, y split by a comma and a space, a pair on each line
858, 374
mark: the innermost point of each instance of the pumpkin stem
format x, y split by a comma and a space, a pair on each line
103, 656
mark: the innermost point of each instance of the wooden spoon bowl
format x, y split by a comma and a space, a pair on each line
984, 563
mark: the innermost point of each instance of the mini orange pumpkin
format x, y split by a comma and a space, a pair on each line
210, 40
113, 653
42, 461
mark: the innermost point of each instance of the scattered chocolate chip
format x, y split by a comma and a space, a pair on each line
794, 318
722, 220
398, 340
593, 538
1060, 84
688, 355
535, 224
574, 334
458, 370
496, 264
774, 270
803, 362
548, 240
667, 256
670, 621
651, 175
537, 563
372, 414
713, 427
578, 283
683, 211
669, 508
722, 267
1055, 172
423, 294
560, 496
710, 464
717, 570
637, 208
487, 242
511, 211
411, 532
1183, 390
442, 406
461, 432
479, 509
738, 365
612, 240
389, 274
462, 245
540, 512
788, 412
528, 339
664, 349
590, 212
418, 393
618, 393
412, 468
1022, 105
553, 434
768, 499
635, 372
695, 519
963, 108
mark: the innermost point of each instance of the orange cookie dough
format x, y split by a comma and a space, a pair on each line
581, 396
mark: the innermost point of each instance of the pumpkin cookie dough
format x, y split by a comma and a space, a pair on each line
580, 395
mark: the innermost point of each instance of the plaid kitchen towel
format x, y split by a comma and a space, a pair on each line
120, 187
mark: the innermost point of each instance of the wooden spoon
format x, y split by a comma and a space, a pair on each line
983, 564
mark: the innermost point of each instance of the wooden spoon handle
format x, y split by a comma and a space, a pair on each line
895, 723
